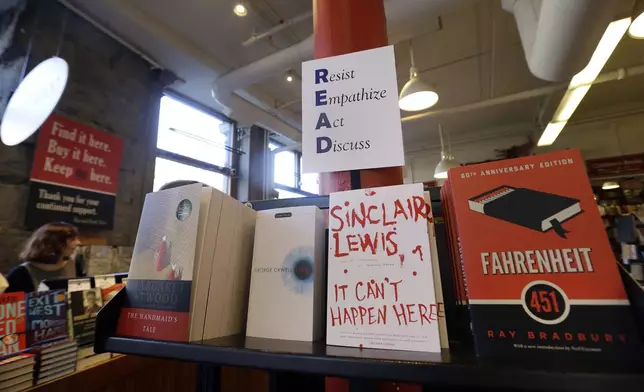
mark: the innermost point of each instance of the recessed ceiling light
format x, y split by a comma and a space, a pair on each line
34, 100
240, 9
289, 78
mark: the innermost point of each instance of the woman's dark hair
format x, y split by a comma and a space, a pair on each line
46, 244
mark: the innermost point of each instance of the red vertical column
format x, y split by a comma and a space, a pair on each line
341, 27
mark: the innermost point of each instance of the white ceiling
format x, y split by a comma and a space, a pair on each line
475, 55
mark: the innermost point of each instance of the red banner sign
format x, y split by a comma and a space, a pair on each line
615, 166
76, 155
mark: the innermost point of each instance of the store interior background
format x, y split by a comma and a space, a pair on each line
124, 55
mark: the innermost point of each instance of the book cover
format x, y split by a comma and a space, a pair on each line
380, 291
159, 286
110, 291
46, 316
13, 325
84, 307
108, 286
288, 275
540, 276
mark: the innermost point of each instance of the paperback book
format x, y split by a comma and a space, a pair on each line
108, 286
46, 316
54, 356
17, 371
54, 348
13, 325
14, 362
540, 275
461, 321
288, 276
381, 291
11, 383
84, 307
192, 245
436, 274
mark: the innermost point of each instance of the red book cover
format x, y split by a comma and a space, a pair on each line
539, 271
13, 325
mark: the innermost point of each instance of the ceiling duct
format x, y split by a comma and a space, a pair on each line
405, 19
559, 36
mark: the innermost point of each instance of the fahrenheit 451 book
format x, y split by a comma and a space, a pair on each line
540, 276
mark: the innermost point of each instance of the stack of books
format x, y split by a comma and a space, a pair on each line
17, 373
534, 263
88, 358
193, 243
54, 360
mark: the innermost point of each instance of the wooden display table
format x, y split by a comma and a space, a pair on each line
128, 373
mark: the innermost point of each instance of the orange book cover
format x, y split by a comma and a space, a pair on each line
539, 271
13, 323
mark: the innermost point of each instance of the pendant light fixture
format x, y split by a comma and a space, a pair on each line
36, 96
610, 185
636, 29
447, 160
416, 95
240, 8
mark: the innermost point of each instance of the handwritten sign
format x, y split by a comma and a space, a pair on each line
46, 316
74, 175
380, 279
350, 113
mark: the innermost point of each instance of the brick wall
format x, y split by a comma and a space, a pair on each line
109, 87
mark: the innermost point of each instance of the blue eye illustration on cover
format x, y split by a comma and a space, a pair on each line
297, 270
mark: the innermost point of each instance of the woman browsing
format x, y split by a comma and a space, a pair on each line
45, 255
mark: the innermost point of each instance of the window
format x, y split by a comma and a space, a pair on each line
282, 194
310, 182
192, 145
289, 182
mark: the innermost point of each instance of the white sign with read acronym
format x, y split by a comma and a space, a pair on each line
350, 113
